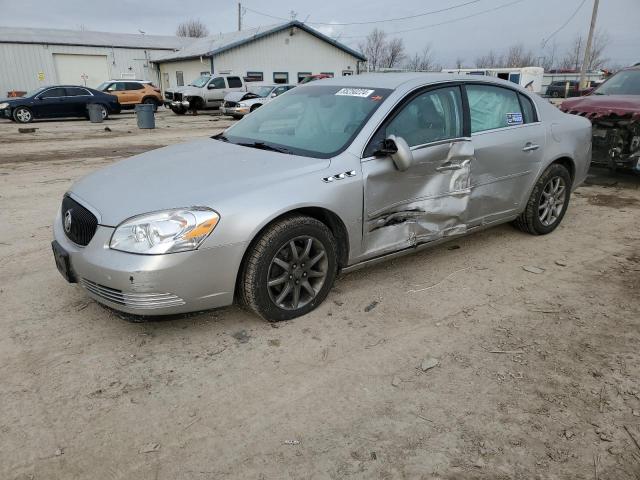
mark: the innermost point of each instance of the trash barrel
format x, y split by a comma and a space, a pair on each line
95, 113
145, 115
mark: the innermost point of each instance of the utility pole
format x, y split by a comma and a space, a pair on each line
587, 49
239, 16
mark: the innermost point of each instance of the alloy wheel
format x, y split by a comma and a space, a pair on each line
297, 272
23, 115
552, 200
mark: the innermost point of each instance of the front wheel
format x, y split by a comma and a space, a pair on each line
290, 269
548, 202
22, 115
179, 110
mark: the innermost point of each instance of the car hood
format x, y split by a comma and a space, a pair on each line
201, 173
596, 106
238, 96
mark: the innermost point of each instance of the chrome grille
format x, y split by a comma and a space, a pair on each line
230, 104
177, 96
132, 300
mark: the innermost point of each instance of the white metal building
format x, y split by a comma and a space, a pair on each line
34, 57
282, 53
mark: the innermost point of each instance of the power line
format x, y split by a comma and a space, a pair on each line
545, 41
446, 22
338, 24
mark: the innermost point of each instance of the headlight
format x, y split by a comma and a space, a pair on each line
3, 105
244, 105
169, 231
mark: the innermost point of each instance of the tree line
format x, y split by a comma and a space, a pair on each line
384, 52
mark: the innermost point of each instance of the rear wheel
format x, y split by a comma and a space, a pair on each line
548, 202
290, 269
22, 115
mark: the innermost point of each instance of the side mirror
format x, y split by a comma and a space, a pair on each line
273, 95
400, 152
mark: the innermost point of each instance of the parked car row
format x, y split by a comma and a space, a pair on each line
64, 101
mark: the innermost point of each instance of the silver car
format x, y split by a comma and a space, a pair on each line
332, 176
239, 104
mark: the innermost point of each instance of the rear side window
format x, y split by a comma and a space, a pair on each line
133, 86
493, 107
528, 109
77, 92
234, 82
429, 117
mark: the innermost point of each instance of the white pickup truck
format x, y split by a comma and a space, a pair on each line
207, 91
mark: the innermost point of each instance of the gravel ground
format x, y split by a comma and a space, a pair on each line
537, 375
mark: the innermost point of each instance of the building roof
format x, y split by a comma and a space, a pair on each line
54, 36
214, 44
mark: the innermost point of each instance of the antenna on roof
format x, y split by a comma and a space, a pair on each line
293, 14
141, 32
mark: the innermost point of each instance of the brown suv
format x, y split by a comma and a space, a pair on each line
132, 92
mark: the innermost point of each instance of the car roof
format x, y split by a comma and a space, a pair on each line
128, 80
406, 80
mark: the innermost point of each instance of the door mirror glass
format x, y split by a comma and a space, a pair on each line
402, 156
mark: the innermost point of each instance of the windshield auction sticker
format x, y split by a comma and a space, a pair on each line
355, 92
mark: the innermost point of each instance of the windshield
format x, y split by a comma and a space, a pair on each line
626, 82
261, 91
103, 86
200, 81
315, 121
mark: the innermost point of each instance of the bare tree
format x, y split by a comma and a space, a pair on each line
193, 28
574, 55
374, 48
459, 62
491, 59
423, 61
518, 56
548, 57
394, 53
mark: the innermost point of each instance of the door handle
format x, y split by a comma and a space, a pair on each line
445, 167
530, 146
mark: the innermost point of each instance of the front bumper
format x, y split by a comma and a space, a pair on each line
5, 113
178, 104
153, 284
235, 111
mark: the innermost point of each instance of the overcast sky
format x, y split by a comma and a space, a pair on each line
528, 22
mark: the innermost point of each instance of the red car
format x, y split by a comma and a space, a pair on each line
614, 111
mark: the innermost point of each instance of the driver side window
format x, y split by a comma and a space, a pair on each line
429, 117
217, 82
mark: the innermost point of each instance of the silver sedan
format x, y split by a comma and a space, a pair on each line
328, 177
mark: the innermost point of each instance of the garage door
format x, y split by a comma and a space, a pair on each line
89, 70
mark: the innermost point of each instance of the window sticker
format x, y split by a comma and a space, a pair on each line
376, 98
355, 92
514, 118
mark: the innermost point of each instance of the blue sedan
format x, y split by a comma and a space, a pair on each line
57, 102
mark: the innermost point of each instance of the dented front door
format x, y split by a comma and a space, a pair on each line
424, 203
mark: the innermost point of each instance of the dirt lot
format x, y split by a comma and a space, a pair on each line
538, 374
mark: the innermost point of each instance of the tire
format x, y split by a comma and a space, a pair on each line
104, 111
22, 115
151, 101
255, 107
178, 111
270, 260
554, 186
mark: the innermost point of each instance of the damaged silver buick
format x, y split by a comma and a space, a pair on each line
327, 177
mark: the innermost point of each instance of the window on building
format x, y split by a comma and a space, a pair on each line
493, 107
327, 73
179, 79
303, 75
280, 77
205, 73
254, 77
429, 117
347, 73
234, 82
